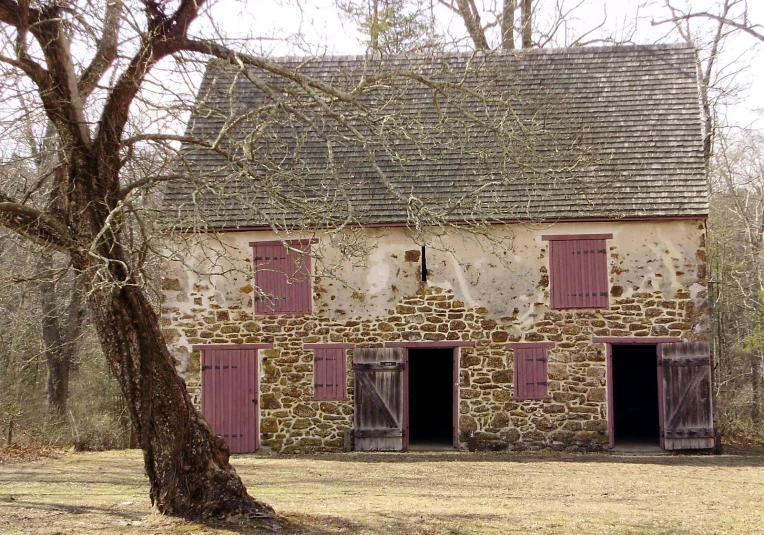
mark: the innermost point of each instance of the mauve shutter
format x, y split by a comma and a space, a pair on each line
526, 377
540, 372
341, 380
578, 277
531, 373
329, 374
319, 374
525, 383
283, 278
229, 395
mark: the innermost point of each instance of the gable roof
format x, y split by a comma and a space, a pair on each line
582, 133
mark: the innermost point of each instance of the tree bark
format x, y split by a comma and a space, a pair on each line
755, 387
60, 330
508, 25
527, 22
186, 463
471, 17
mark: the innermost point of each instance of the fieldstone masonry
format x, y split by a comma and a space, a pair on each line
574, 417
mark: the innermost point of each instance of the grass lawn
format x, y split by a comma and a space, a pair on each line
414, 493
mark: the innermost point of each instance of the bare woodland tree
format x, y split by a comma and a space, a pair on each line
494, 24
47, 47
737, 259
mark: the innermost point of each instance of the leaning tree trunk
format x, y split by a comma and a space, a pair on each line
186, 463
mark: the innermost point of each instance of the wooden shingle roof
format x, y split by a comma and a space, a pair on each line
583, 133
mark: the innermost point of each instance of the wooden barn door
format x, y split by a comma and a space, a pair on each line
687, 410
229, 396
378, 399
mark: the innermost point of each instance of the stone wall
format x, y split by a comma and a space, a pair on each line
642, 304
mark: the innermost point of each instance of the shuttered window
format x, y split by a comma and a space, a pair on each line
531, 380
282, 277
329, 373
578, 271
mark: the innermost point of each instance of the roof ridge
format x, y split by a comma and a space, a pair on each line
466, 54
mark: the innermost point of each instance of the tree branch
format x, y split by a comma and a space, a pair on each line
41, 228
754, 30
167, 35
235, 58
106, 52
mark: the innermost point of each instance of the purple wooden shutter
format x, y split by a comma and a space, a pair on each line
578, 273
531, 373
329, 374
229, 396
283, 279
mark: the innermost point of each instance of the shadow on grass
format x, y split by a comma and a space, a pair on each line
699, 460
108, 510
447, 524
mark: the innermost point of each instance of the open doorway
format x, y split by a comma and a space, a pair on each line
431, 397
635, 417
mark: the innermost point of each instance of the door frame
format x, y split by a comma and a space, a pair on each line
454, 346
256, 347
641, 341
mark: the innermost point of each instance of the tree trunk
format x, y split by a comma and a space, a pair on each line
187, 465
508, 25
60, 330
471, 17
755, 387
527, 21
374, 28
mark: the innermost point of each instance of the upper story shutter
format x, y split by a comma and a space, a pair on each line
578, 273
282, 277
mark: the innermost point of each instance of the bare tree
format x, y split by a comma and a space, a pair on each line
741, 21
540, 23
46, 47
715, 78
735, 222
737, 258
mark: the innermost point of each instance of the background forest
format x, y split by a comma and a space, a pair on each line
55, 385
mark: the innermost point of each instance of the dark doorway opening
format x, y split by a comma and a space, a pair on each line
431, 396
635, 394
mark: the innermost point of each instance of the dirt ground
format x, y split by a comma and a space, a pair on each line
412, 493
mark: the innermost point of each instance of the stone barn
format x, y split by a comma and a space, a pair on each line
397, 253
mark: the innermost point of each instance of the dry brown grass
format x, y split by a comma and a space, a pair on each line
414, 493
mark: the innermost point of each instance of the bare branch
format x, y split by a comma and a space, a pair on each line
106, 52
43, 229
754, 30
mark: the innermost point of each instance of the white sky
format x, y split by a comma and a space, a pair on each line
313, 27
